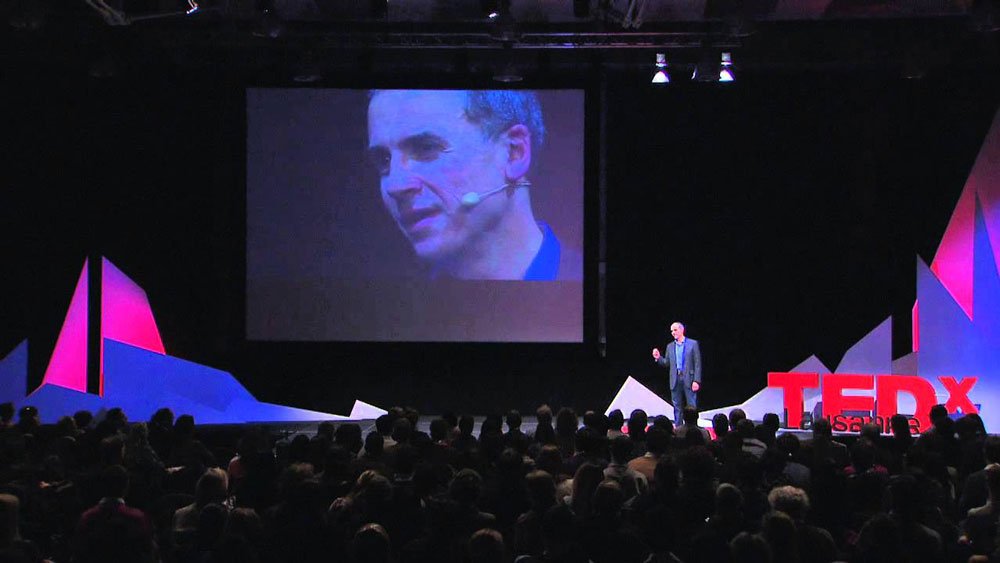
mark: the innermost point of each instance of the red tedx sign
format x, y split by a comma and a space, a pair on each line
887, 389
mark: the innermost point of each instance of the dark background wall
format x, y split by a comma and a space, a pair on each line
779, 217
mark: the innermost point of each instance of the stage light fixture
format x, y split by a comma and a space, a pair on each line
726, 68
269, 24
661, 76
495, 10
508, 74
983, 17
28, 15
307, 70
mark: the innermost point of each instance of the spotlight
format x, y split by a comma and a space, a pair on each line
661, 76
508, 75
983, 17
307, 70
709, 71
269, 24
726, 68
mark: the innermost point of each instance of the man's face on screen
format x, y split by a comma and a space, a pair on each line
428, 155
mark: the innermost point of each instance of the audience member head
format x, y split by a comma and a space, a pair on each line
558, 528
244, 522
764, 433
788, 443
862, 456
597, 421
779, 530
541, 490
373, 488
513, 420
348, 436
112, 450
212, 486
413, 415
451, 418
692, 439
937, 414
900, 425
663, 423
690, 415
749, 548
667, 475
83, 418
720, 424
566, 422
66, 426
991, 449
298, 449
325, 431
164, 418
6, 413
729, 502
27, 419
793, 501
486, 546
466, 424
822, 429
697, 467
993, 482
616, 420
588, 476
745, 428
550, 460
402, 429
882, 540
637, 422
735, 416
439, 430
871, 432
587, 442
492, 426
621, 449
466, 487
383, 425
905, 497
608, 498
772, 421
117, 416
292, 476
658, 441
184, 427
114, 481
371, 545
10, 508
543, 415
211, 523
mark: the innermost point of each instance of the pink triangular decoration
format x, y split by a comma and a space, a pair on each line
68, 364
125, 314
953, 261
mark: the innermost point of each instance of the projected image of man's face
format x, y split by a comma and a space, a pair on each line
429, 156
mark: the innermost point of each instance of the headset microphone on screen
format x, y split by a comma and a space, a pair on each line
472, 199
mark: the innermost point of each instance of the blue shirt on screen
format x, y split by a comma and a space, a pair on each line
679, 354
545, 266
